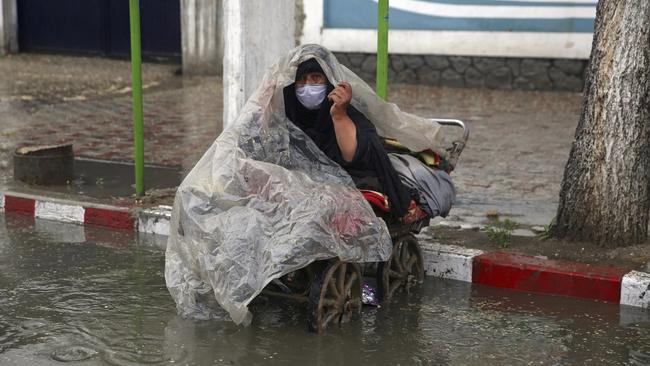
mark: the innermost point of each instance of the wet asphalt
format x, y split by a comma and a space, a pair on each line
88, 296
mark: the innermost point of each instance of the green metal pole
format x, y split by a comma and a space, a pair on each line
382, 49
136, 81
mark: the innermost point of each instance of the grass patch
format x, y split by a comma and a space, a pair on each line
548, 230
500, 232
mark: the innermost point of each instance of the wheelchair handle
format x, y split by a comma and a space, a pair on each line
453, 152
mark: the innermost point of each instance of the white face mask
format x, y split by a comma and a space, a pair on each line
311, 95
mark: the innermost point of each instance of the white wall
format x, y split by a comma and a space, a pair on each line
8, 27
201, 40
441, 42
256, 34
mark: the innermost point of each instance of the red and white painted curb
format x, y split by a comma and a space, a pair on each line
505, 270
537, 275
114, 217
150, 221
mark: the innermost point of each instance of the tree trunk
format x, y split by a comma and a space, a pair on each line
605, 194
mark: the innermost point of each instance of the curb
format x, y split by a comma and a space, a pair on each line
504, 270
114, 217
635, 289
448, 261
537, 275
547, 276
155, 220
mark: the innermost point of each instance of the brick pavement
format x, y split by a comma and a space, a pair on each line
177, 124
182, 116
513, 164
516, 155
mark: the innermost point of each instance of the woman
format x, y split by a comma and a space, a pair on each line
256, 208
345, 135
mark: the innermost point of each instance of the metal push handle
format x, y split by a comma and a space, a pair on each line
453, 152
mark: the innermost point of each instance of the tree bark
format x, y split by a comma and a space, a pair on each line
605, 195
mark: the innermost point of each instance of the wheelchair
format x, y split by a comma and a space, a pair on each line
332, 289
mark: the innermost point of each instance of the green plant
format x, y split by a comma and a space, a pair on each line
500, 232
548, 230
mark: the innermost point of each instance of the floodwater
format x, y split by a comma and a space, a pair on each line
83, 296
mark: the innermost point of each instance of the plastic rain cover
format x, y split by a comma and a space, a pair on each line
265, 201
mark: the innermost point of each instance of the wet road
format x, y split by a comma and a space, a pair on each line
94, 297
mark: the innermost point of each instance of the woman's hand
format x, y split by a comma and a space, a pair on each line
340, 98
344, 127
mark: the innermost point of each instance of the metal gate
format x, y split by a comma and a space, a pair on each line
98, 27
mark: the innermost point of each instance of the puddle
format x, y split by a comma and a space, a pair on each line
143, 351
73, 354
104, 301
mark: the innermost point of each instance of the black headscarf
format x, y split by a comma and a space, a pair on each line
369, 161
316, 123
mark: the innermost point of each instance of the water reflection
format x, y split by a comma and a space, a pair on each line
103, 301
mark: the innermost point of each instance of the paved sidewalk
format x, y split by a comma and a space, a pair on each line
513, 164
517, 151
55, 99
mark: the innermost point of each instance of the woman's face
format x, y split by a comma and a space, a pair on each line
311, 78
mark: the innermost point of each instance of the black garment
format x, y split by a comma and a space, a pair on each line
308, 66
370, 164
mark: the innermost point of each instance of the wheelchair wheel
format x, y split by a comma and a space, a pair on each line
403, 270
335, 295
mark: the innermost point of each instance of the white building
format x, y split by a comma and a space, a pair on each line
529, 44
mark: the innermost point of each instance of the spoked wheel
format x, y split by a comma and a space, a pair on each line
403, 270
335, 295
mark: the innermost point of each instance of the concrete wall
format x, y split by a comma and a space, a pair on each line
201, 34
8, 27
256, 34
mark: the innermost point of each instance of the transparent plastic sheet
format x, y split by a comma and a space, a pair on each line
264, 201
